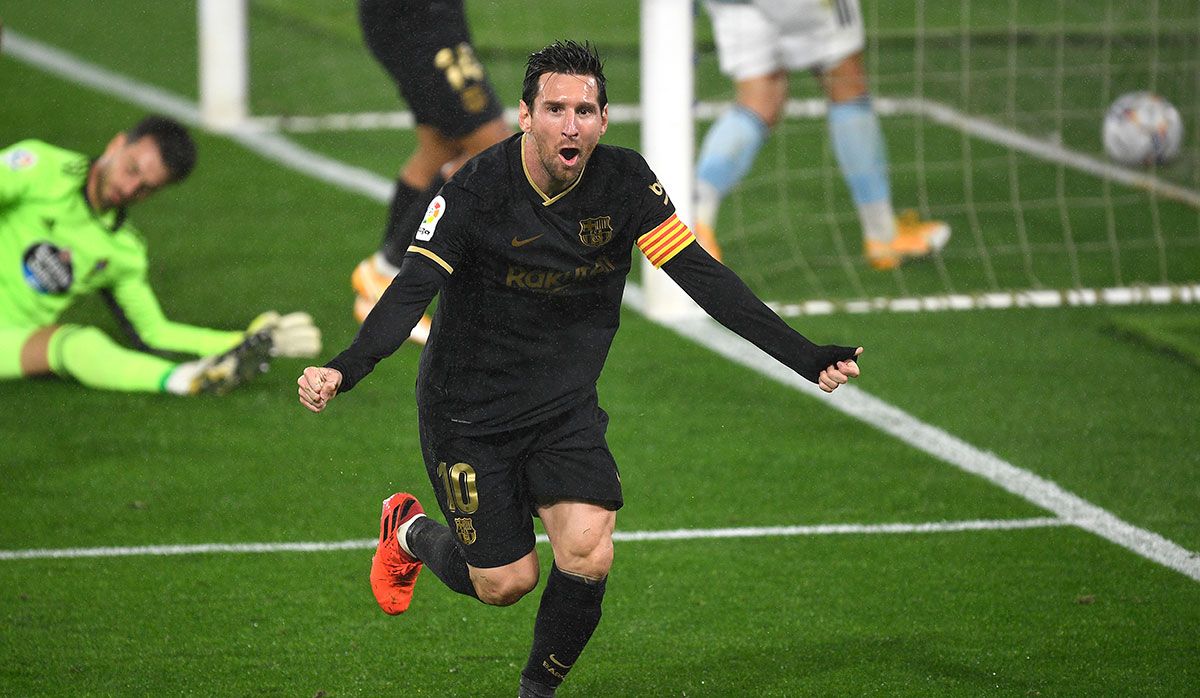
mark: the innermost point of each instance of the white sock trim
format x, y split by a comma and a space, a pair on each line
878, 220
179, 382
708, 202
402, 534
383, 266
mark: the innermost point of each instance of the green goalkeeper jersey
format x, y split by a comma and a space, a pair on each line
54, 248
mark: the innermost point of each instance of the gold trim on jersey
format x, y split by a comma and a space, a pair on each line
546, 200
665, 241
426, 253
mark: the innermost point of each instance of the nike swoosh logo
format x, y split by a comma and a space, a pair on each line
526, 241
555, 660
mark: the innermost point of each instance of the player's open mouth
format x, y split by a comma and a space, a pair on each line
569, 155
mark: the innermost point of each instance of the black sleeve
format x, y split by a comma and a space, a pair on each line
391, 320
726, 298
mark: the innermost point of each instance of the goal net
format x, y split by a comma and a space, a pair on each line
991, 111
992, 114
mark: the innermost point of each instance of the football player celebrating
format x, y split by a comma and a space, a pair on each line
529, 245
64, 233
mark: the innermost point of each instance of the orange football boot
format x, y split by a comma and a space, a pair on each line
914, 238
707, 237
368, 286
393, 571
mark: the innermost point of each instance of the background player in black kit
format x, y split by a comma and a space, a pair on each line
425, 46
529, 245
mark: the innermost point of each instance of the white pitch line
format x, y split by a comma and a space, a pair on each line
852, 401
1118, 296
630, 536
269, 145
1046, 150
859, 404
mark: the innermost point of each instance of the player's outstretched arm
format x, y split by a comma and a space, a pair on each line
839, 373
318, 385
728, 300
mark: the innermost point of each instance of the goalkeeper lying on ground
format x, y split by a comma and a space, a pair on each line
64, 234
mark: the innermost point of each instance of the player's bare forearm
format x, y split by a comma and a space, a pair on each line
317, 386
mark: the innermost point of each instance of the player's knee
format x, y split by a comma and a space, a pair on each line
588, 556
504, 589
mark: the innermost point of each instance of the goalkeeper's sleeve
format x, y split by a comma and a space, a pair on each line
726, 298
390, 321
137, 308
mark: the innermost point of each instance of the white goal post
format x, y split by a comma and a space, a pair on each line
224, 63
668, 135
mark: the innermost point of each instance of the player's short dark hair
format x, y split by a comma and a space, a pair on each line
174, 143
566, 57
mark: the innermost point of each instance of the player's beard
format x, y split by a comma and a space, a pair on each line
563, 173
104, 197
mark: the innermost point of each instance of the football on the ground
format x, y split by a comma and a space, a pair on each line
1142, 128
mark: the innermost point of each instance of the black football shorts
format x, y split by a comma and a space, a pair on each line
489, 486
426, 47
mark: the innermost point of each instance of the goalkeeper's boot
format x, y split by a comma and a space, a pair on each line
707, 237
369, 284
914, 238
393, 571
221, 373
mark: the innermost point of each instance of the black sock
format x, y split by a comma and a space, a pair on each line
433, 544
533, 689
405, 217
403, 197
566, 618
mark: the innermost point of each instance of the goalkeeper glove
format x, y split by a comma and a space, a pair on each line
292, 335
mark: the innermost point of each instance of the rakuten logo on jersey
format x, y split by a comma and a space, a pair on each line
551, 281
47, 268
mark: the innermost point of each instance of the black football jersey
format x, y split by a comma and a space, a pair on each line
532, 301
531, 289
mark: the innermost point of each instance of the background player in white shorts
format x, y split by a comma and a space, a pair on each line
759, 42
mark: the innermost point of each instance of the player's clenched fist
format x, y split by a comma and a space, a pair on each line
318, 385
839, 373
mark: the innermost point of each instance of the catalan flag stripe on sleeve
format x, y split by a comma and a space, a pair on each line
665, 241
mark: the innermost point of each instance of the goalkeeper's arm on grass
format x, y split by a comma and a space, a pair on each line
133, 301
228, 358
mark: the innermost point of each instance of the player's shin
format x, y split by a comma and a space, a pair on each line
567, 617
433, 544
403, 197
403, 223
862, 156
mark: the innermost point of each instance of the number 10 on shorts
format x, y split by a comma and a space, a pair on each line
459, 481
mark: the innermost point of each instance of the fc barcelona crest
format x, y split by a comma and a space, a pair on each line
596, 232
465, 529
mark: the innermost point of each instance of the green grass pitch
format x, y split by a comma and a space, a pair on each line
1079, 397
